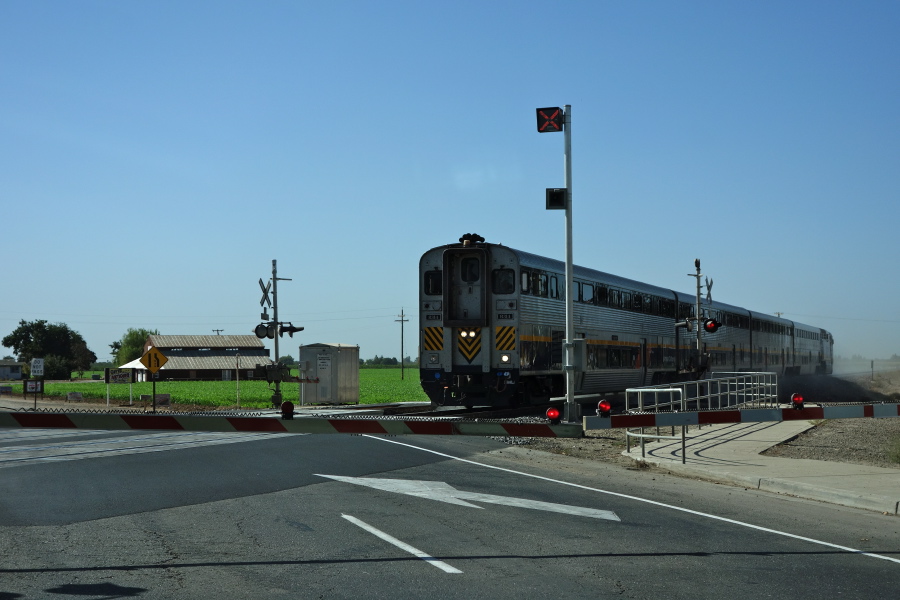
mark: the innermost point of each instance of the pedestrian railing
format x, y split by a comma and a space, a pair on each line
722, 391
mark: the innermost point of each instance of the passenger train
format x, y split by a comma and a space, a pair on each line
492, 327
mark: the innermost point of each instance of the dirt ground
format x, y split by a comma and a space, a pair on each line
858, 441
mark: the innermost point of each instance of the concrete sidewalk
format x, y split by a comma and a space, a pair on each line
731, 454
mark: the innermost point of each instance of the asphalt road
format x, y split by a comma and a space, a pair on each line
144, 515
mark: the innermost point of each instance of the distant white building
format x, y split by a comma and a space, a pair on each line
10, 369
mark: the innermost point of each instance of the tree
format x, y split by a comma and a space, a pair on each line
62, 349
287, 359
131, 346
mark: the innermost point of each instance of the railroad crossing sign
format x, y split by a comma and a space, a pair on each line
154, 360
265, 290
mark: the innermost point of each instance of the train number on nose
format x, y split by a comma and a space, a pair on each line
505, 316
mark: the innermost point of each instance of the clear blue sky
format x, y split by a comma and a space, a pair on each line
156, 156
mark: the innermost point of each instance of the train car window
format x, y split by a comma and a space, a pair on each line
470, 269
602, 297
503, 281
587, 293
526, 281
626, 302
615, 357
554, 287
615, 298
638, 302
667, 308
542, 285
434, 283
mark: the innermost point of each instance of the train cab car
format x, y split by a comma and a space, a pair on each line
469, 313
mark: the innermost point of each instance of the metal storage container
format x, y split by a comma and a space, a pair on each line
335, 367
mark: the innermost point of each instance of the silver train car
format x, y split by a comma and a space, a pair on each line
492, 326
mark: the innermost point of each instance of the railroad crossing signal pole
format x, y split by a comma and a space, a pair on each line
549, 120
698, 316
276, 397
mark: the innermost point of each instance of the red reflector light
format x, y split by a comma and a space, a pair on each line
604, 406
797, 399
553, 414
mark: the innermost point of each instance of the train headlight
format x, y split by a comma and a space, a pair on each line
432, 358
505, 358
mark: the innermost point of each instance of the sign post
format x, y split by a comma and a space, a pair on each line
37, 370
555, 119
120, 376
154, 360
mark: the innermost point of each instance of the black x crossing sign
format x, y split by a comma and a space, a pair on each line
550, 119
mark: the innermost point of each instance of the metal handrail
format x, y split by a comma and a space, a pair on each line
724, 390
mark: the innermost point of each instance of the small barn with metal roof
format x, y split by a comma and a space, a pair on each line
207, 357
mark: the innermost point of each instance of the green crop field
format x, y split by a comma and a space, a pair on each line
375, 386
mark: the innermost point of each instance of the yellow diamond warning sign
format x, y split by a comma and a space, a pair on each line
154, 360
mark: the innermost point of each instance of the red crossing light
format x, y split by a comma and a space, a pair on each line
287, 410
711, 326
553, 415
797, 401
603, 408
549, 119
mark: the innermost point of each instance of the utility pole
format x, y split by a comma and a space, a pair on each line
218, 331
401, 320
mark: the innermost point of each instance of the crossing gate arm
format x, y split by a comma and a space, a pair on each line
301, 425
753, 415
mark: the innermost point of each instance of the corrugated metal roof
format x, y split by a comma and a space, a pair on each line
205, 341
200, 363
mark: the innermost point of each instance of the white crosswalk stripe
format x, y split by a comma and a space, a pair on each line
23, 454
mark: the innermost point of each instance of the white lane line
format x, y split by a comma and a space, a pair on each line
647, 501
403, 545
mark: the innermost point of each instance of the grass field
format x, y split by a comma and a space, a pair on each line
375, 386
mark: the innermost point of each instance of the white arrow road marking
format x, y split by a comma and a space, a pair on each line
443, 492
403, 545
639, 499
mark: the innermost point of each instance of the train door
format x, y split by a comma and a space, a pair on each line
465, 285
